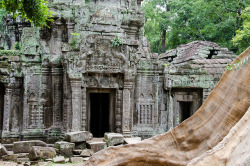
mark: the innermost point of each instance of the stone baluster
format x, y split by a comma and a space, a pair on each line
7, 106
76, 104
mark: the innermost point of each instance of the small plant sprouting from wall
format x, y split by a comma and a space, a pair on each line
238, 64
75, 37
17, 46
116, 42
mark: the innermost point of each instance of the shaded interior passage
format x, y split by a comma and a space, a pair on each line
185, 110
99, 114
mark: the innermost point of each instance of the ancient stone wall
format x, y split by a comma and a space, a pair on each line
99, 47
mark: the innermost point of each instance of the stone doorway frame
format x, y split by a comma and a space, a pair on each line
193, 95
112, 105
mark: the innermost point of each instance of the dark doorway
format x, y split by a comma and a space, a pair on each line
185, 110
2, 92
99, 113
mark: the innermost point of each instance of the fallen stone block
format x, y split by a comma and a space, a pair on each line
38, 152
113, 139
9, 157
59, 159
77, 152
9, 147
64, 148
13, 157
3, 151
80, 145
25, 146
87, 153
22, 160
78, 136
76, 159
96, 146
133, 140
86, 158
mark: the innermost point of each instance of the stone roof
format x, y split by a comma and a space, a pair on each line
197, 50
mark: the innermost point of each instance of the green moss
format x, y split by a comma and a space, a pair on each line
9, 53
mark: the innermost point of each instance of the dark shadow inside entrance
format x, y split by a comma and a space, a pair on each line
185, 110
99, 113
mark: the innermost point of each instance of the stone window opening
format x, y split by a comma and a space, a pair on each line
212, 53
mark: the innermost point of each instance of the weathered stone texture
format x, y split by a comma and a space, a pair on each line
37, 153
46, 91
217, 134
78, 136
26, 146
65, 148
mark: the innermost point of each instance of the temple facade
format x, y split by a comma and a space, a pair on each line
92, 69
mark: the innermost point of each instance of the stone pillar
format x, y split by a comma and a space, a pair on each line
170, 111
127, 112
57, 97
118, 113
66, 103
76, 104
7, 105
84, 109
70, 27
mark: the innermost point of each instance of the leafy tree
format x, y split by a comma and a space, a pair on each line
2, 13
207, 20
242, 38
35, 11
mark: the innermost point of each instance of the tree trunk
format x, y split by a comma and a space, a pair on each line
163, 43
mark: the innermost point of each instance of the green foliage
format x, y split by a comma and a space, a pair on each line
116, 42
74, 40
238, 64
35, 11
2, 13
9, 53
187, 21
242, 38
17, 46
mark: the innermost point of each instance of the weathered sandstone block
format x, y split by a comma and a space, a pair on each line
78, 136
113, 139
25, 146
65, 148
38, 152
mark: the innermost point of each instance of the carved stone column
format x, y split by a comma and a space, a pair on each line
170, 111
70, 27
7, 106
118, 113
57, 97
76, 104
84, 109
127, 113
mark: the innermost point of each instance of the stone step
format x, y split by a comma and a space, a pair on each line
96, 144
9, 147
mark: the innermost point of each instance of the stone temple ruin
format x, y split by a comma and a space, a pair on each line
72, 77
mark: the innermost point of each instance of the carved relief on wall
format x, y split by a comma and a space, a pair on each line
103, 81
104, 57
145, 107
